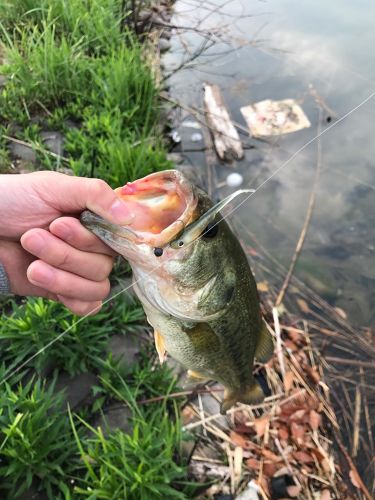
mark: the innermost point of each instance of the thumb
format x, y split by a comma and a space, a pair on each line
73, 194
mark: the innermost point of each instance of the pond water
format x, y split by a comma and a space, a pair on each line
286, 49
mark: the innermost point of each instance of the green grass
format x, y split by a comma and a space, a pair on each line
36, 444
36, 324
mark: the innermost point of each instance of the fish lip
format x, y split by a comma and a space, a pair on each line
184, 188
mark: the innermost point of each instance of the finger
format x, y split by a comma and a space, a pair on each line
16, 262
71, 230
62, 282
70, 194
80, 307
57, 253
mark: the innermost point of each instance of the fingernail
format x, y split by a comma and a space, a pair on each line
35, 243
121, 212
41, 274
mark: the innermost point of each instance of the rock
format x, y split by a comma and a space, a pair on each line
3, 80
144, 15
53, 141
175, 158
164, 45
25, 153
115, 417
165, 34
77, 387
125, 347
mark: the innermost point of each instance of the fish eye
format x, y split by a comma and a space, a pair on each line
180, 243
211, 230
158, 252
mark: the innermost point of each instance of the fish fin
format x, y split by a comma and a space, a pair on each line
265, 347
253, 394
196, 377
160, 346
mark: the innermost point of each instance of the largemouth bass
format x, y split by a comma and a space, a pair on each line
194, 281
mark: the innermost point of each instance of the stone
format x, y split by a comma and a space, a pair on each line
125, 347
25, 153
115, 416
77, 388
164, 45
53, 141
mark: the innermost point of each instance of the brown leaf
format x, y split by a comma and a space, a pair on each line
298, 415
313, 374
302, 304
187, 414
270, 455
325, 495
318, 454
354, 478
244, 429
283, 433
315, 419
298, 432
288, 380
270, 468
262, 286
253, 463
260, 425
238, 439
295, 336
303, 457
291, 346
293, 491
341, 312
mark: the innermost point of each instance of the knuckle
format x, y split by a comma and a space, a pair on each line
97, 188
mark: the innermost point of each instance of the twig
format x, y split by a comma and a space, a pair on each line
279, 349
352, 466
309, 212
357, 420
35, 146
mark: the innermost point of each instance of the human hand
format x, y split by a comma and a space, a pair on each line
47, 252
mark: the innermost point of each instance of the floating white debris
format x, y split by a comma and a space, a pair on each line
175, 136
234, 180
191, 124
266, 118
197, 137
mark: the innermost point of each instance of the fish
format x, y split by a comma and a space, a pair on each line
194, 281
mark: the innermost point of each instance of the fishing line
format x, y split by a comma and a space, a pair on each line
97, 308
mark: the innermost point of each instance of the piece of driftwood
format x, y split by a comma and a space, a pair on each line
226, 139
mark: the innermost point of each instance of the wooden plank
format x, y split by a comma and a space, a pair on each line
226, 139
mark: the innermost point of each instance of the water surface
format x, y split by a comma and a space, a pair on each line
284, 49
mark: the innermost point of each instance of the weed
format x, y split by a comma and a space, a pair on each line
138, 465
36, 440
35, 324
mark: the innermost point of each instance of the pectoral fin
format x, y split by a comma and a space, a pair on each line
160, 346
265, 347
195, 377
252, 395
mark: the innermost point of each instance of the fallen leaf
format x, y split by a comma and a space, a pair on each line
355, 479
253, 463
293, 491
187, 414
262, 286
340, 312
303, 457
315, 419
295, 336
260, 425
238, 439
313, 374
291, 346
318, 454
270, 455
298, 415
288, 380
298, 432
283, 434
302, 304
270, 468
325, 495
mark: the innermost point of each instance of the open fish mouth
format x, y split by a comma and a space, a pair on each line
163, 204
